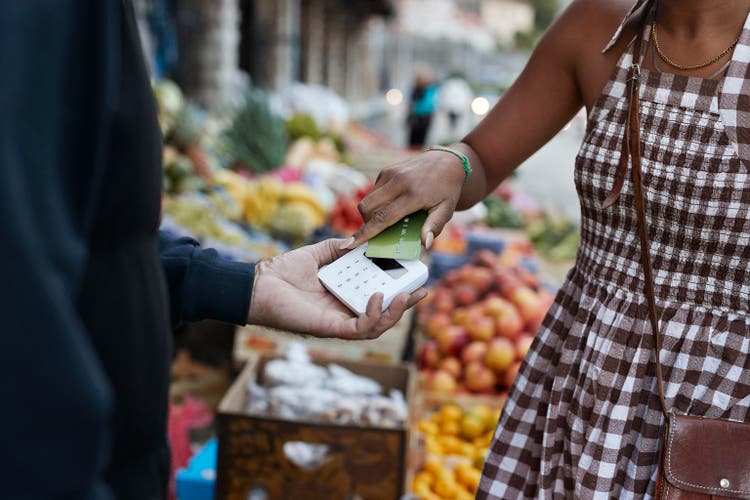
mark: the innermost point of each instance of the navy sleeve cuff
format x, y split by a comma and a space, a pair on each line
216, 288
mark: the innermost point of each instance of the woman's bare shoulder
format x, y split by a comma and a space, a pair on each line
593, 22
584, 28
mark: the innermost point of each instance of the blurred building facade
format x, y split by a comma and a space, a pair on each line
277, 42
358, 48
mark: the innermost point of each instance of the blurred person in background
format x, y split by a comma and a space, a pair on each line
421, 107
583, 418
452, 116
89, 286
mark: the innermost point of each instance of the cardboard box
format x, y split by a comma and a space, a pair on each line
253, 340
367, 462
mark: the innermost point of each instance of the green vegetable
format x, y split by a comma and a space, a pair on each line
303, 125
500, 213
257, 138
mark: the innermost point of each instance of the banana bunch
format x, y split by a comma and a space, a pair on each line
289, 210
262, 199
298, 193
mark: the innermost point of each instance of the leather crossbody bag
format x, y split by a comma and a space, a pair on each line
700, 458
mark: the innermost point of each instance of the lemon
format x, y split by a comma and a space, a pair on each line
472, 425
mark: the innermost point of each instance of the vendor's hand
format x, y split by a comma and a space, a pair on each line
431, 181
289, 296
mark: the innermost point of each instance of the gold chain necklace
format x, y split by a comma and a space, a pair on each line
687, 67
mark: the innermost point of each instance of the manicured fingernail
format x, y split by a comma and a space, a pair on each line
428, 240
347, 244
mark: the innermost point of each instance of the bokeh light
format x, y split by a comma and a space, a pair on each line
480, 106
394, 97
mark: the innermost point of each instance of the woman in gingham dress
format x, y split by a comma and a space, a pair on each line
583, 418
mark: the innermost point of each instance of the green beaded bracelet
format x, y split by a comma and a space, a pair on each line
462, 157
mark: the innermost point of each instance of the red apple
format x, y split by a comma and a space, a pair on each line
452, 340
465, 294
442, 381
451, 278
528, 278
481, 278
444, 304
500, 355
534, 326
460, 315
481, 328
506, 281
442, 300
494, 305
509, 324
484, 258
511, 373
475, 351
437, 323
451, 365
531, 308
523, 344
467, 316
479, 378
429, 355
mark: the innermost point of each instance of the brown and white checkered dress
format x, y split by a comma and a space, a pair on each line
583, 418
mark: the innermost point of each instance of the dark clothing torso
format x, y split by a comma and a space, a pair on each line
88, 285
123, 299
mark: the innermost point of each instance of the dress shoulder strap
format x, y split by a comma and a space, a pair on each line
734, 100
637, 5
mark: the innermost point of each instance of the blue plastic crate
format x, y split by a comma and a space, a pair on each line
442, 263
485, 240
196, 482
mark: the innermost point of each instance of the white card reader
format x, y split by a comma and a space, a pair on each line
353, 278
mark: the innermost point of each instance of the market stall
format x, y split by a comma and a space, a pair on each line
410, 413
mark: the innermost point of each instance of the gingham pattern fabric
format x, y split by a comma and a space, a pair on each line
583, 419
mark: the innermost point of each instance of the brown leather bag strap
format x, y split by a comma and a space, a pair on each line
633, 126
632, 150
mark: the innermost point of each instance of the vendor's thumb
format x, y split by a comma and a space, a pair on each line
433, 225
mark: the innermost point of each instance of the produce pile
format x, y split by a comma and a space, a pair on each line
296, 388
255, 184
456, 442
479, 321
553, 236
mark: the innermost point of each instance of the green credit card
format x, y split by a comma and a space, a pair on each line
403, 240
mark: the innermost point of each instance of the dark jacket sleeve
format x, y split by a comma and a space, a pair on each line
203, 285
58, 76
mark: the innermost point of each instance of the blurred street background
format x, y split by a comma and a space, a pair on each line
367, 52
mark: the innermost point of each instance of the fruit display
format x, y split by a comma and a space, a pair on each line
259, 183
451, 240
345, 216
205, 217
555, 238
479, 322
452, 446
501, 213
183, 125
290, 210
